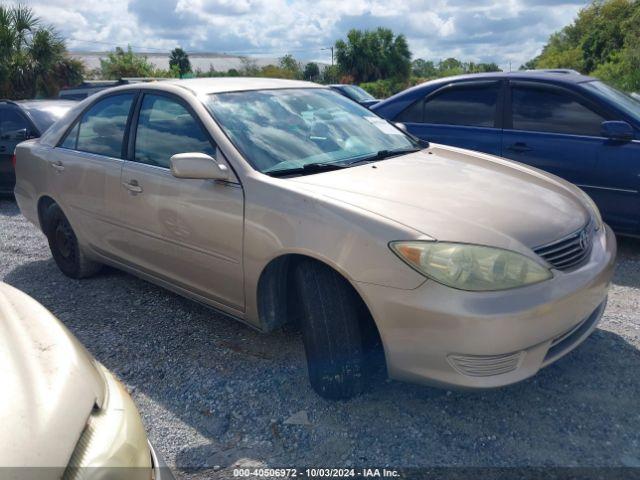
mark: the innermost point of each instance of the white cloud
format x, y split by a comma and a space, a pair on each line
479, 30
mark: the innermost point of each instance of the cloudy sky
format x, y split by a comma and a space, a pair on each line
480, 30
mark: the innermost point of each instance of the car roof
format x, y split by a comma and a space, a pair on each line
556, 76
204, 86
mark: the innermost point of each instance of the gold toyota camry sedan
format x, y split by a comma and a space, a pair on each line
282, 201
63, 415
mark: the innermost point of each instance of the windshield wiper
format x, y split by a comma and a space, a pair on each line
307, 169
318, 167
382, 155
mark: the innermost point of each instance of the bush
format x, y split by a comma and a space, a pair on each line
384, 88
124, 63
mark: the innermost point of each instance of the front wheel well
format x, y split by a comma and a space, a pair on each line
278, 302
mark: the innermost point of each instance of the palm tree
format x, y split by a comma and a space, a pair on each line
33, 57
180, 60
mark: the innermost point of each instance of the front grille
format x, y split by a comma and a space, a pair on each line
485, 365
568, 251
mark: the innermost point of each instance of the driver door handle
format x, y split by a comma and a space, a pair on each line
519, 147
133, 186
57, 165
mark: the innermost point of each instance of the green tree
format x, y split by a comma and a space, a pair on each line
311, 71
530, 65
33, 57
603, 41
329, 74
290, 67
125, 63
482, 67
180, 60
423, 68
249, 67
451, 66
369, 55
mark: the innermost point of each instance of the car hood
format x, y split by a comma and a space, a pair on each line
50, 384
451, 194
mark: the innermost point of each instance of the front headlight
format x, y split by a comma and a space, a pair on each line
113, 444
471, 267
595, 212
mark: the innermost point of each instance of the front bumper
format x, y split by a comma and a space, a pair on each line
438, 335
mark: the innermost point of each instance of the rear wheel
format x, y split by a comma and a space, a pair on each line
331, 333
65, 249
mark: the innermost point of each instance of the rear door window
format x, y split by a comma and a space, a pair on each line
542, 109
102, 128
469, 105
165, 128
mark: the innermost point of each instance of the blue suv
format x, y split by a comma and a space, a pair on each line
573, 126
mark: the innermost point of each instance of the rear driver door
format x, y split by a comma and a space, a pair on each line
84, 171
463, 114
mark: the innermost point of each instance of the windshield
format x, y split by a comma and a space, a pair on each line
624, 102
291, 128
357, 93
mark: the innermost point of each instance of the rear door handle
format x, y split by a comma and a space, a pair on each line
519, 147
57, 165
133, 186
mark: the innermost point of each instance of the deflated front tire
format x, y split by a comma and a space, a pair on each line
330, 331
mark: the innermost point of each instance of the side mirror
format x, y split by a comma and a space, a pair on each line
197, 165
403, 127
617, 130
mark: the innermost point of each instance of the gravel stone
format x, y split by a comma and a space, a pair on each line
298, 418
214, 393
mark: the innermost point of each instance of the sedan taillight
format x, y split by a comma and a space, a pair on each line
13, 160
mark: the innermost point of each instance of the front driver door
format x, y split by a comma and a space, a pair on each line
188, 232
464, 114
618, 188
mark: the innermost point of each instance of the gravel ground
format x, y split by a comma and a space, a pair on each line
213, 392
